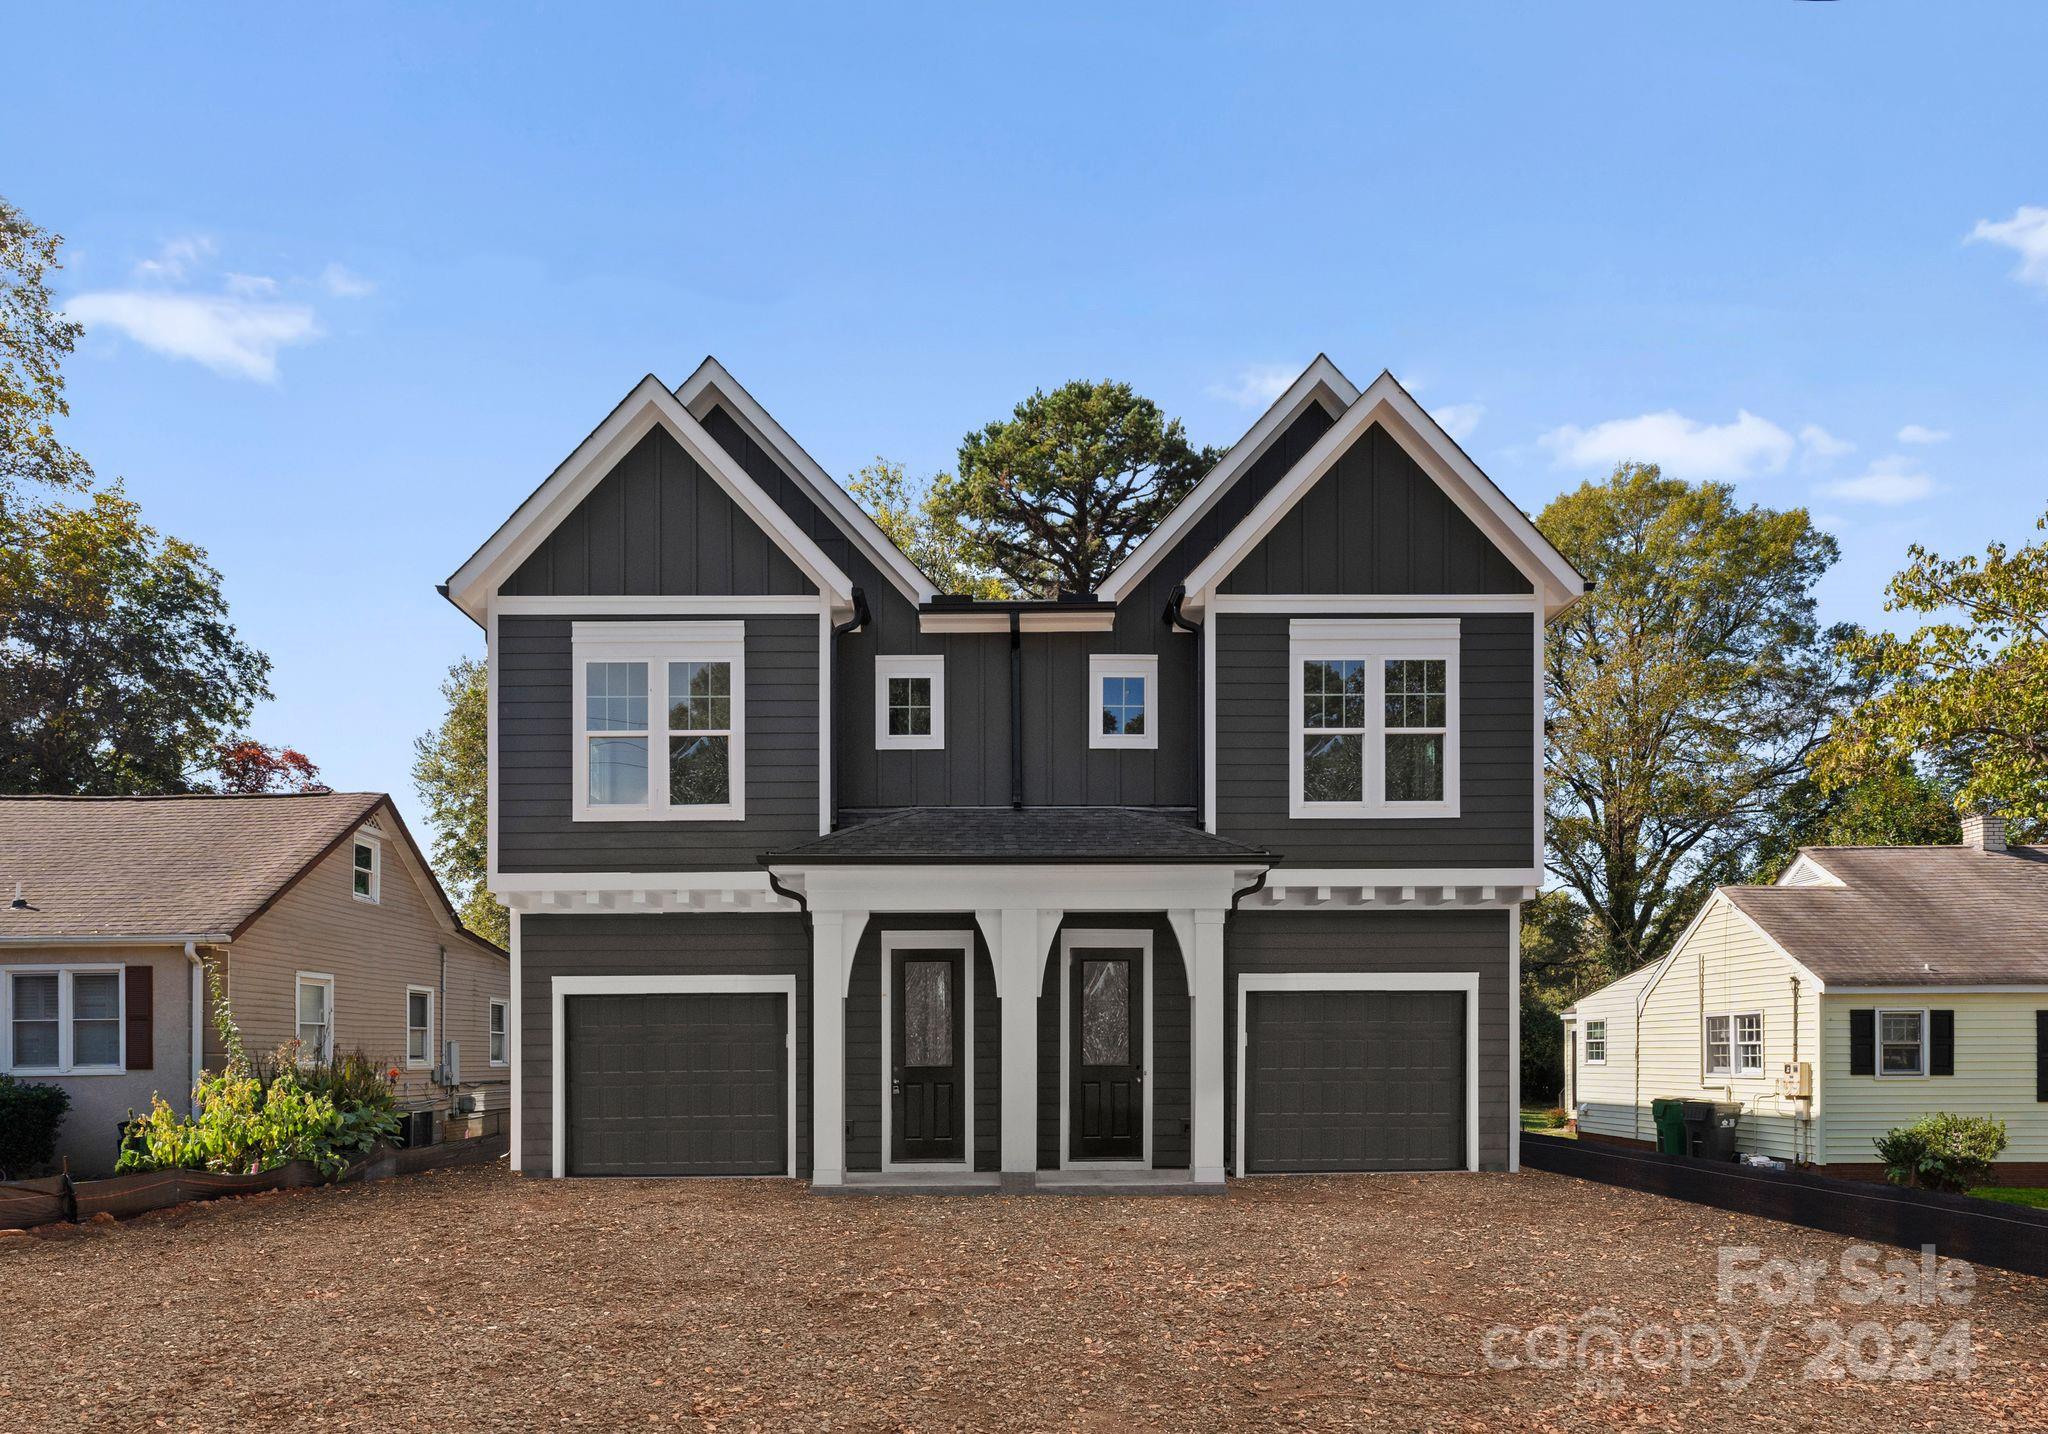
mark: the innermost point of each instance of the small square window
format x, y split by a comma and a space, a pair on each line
910, 703
1123, 700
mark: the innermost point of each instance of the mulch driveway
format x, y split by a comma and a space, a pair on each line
472, 1297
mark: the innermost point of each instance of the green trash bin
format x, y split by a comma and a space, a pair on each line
1669, 1115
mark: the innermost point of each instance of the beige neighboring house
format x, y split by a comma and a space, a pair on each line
317, 910
1869, 987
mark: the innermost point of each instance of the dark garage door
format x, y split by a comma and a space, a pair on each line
1355, 1080
677, 1084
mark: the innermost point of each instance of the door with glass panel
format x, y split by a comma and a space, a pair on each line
928, 1085
1106, 1062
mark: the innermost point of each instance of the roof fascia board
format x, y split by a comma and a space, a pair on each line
1321, 382
712, 381
957, 622
650, 403
1461, 480
1720, 899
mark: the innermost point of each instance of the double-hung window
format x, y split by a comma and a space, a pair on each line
419, 1026
910, 703
1901, 1043
1123, 700
1374, 717
1596, 1043
498, 1009
65, 1020
1733, 1044
660, 721
366, 861
316, 1016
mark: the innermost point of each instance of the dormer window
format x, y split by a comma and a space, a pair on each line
660, 730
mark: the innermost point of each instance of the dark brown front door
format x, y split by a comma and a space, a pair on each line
928, 1089
1106, 1062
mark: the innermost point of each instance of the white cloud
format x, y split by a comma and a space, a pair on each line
1818, 443
176, 258
1888, 481
2026, 233
344, 283
1459, 419
1684, 447
1256, 386
251, 285
234, 334
1914, 433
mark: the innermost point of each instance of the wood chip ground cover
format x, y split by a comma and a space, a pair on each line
475, 1298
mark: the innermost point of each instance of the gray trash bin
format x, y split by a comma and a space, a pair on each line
1710, 1128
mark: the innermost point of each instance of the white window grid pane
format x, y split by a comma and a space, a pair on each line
615, 696
1749, 1043
1717, 1045
1596, 1040
910, 706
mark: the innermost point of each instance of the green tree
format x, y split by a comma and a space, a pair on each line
1053, 497
119, 670
908, 511
1968, 694
450, 774
1559, 965
34, 341
1892, 805
1684, 695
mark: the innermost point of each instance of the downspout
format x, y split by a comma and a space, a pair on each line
860, 619
1176, 619
1016, 710
198, 1018
441, 1020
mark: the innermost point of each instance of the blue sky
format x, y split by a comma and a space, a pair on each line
356, 282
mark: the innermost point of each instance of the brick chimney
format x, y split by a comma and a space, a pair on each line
1984, 829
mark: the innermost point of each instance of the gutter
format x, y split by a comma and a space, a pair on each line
218, 938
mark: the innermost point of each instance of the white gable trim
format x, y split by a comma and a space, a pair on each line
1320, 382
712, 383
1472, 491
649, 405
1719, 899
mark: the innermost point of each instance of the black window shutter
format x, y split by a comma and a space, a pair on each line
1941, 1043
2041, 1055
141, 1018
1863, 1043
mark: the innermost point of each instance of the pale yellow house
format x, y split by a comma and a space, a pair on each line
316, 911
1868, 987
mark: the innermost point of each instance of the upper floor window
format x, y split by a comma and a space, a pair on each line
1123, 701
1375, 718
366, 861
65, 1020
910, 702
660, 729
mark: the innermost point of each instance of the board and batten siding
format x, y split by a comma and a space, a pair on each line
1255, 707
374, 951
534, 771
1995, 1075
1438, 942
669, 944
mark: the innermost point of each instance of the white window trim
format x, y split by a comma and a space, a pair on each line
1736, 1070
503, 1031
64, 974
1877, 1042
1113, 938
1587, 1038
299, 982
940, 941
375, 843
563, 987
1111, 664
933, 667
1373, 642
1465, 982
426, 1061
657, 644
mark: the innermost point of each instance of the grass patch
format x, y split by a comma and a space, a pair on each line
1544, 1120
2032, 1196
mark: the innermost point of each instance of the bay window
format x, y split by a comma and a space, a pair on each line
660, 729
1375, 718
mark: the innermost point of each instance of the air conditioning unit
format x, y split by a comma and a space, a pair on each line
1795, 1081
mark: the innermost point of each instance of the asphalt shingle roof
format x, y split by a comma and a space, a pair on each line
948, 835
160, 866
1913, 916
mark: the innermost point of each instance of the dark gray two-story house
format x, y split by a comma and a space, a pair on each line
817, 871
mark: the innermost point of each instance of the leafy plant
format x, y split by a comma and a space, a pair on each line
1942, 1151
30, 1116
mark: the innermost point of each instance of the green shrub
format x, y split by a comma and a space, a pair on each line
1942, 1151
29, 1119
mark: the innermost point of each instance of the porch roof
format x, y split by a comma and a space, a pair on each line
951, 836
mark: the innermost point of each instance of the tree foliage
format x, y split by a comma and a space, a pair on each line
34, 341
1892, 805
908, 511
1054, 497
246, 766
1968, 693
1684, 695
450, 774
119, 670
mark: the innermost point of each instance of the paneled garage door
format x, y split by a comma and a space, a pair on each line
677, 1084
1354, 1080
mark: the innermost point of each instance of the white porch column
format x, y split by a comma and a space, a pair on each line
1015, 945
1205, 998
833, 934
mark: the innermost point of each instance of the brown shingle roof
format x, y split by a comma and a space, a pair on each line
1913, 916
161, 866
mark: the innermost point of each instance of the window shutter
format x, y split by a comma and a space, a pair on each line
2041, 1055
141, 1018
1863, 1043
1941, 1043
